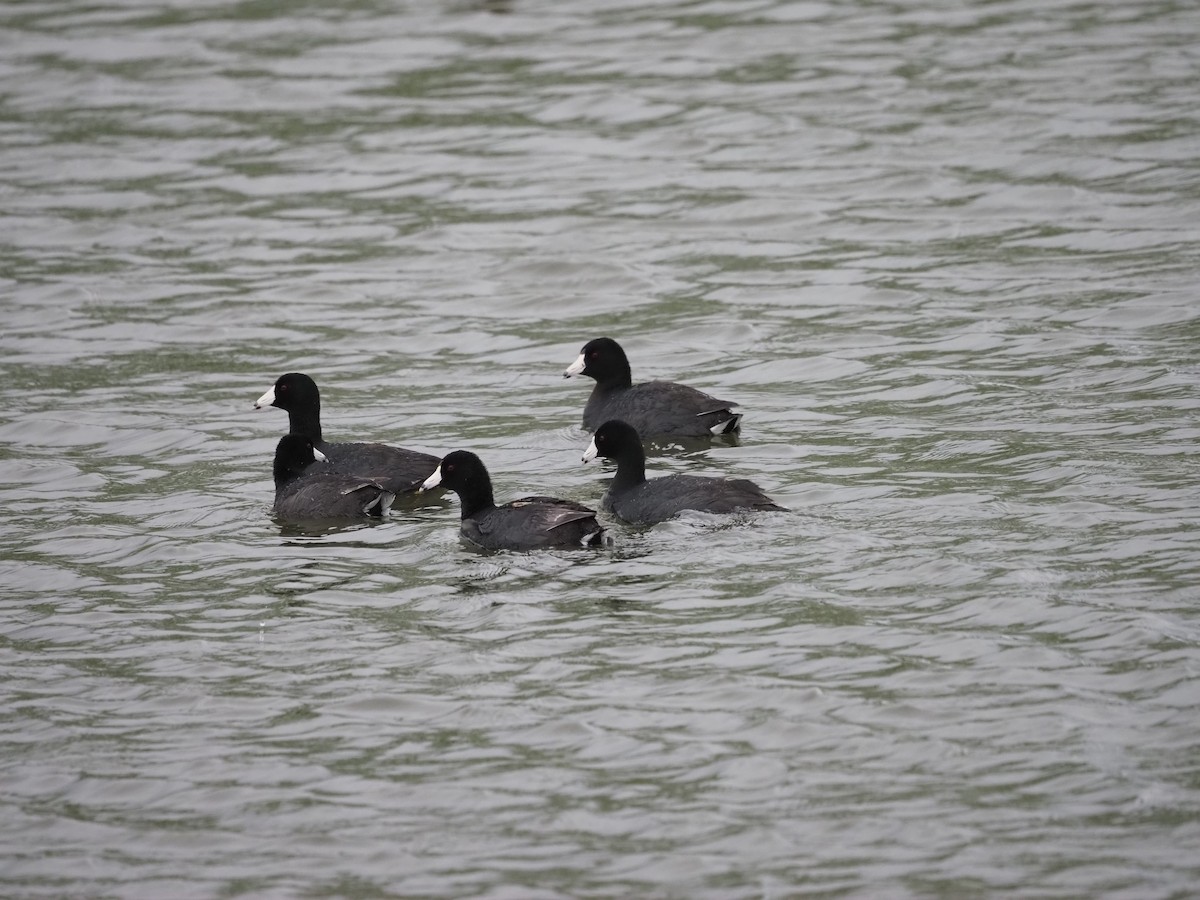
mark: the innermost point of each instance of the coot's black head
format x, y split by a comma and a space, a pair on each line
463, 472
293, 454
456, 470
613, 440
604, 360
292, 391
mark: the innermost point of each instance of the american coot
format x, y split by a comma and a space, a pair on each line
657, 409
529, 523
640, 502
397, 469
304, 492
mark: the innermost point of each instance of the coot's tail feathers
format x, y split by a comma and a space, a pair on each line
378, 499
727, 426
752, 497
593, 538
380, 505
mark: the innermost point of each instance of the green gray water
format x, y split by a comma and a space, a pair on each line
945, 255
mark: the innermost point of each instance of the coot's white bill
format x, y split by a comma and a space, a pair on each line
576, 367
267, 399
433, 480
590, 453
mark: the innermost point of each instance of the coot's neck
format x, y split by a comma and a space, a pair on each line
618, 379
283, 472
475, 496
631, 467
306, 421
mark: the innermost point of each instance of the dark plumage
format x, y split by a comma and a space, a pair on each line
644, 502
396, 468
529, 523
657, 409
304, 492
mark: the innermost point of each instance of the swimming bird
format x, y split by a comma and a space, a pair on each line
306, 490
657, 409
529, 523
397, 468
639, 501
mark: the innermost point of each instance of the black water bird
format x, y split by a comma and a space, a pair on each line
657, 409
630, 496
398, 469
529, 523
306, 490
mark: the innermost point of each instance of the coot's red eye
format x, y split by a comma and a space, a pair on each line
593, 354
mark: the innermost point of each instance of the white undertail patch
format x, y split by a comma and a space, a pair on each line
728, 426
591, 536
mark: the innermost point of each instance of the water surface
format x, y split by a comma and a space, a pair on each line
944, 255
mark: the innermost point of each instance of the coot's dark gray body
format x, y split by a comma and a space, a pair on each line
398, 469
656, 409
305, 491
530, 523
630, 496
